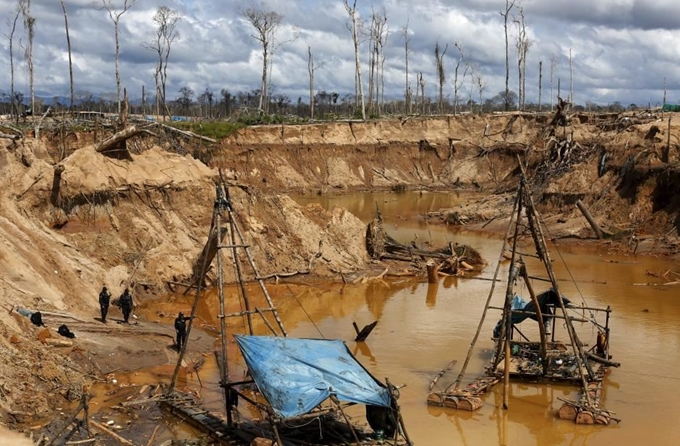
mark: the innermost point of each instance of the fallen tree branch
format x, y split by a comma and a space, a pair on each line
117, 138
12, 137
21, 195
110, 433
186, 133
37, 127
278, 275
15, 130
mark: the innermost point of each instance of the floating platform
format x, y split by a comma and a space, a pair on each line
468, 398
185, 408
526, 364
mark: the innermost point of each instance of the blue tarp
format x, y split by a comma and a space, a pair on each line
296, 375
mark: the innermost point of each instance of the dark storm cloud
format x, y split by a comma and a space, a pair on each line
621, 49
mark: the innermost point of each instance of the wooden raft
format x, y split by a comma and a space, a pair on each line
215, 427
582, 413
468, 398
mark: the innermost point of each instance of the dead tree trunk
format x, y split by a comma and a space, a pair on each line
118, 139
56, 183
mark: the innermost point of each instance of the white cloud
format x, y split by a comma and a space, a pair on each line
622, 49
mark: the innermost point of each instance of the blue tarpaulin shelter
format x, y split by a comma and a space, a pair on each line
296, 375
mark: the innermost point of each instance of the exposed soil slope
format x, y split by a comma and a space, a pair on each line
143, 221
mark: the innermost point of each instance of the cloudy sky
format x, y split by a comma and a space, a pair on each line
622, 49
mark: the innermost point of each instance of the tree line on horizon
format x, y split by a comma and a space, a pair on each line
262, 104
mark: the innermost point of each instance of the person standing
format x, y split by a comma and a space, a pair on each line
181, 329
125, 303
104, 300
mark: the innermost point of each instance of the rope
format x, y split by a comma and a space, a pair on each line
304, 310
571, 276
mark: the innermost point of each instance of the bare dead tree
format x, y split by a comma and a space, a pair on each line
12, 23
472, 90
540, 83
553, 67
664, 90
481, 85
407, 87
29, 25
377, 34
370, 33
115, 14
166, 31
68, 43
522, 43
354, 29
382, 44
461, 60
311, 68
266, 23
508, 7
421, 82
441, 75
276, 44
417, 91
571, 78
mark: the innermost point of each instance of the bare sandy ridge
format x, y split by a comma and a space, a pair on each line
151, 214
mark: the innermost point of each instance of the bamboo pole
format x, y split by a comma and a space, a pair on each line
264, 319
243, 313
224, 370
344, 415
506, 373
237, 266
276, 431
252, 264
443, 371
458, 380
539, 316
396, 407
506, 332
199, 287
552, 316
542, 250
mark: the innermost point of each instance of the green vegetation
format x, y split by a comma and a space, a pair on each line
212, 129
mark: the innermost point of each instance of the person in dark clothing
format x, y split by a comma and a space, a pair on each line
181, 329
104, 300
125, 303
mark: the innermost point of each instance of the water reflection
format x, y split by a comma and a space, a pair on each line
421, 327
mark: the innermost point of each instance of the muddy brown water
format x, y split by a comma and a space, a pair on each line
422, 327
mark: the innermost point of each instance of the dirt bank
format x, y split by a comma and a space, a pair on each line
138, 222
142, 221
624, 167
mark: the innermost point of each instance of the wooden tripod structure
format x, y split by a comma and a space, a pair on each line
542, 360
225, 233
223, 211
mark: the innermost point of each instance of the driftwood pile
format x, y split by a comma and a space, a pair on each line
453, 259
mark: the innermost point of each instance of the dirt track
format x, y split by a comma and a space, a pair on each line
150, 215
